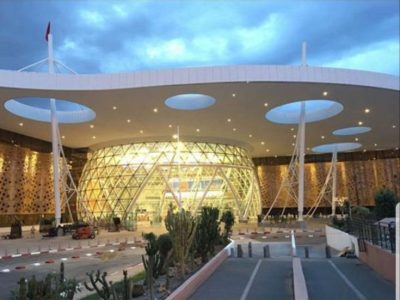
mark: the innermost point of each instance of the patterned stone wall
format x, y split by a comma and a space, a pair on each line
357, 180
26, 184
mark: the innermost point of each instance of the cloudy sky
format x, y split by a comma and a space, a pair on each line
122, 36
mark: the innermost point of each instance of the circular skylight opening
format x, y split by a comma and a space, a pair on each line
336, 147
189, 101
315, 110
38, 109
351, 130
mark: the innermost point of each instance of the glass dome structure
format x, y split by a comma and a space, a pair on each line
137, 182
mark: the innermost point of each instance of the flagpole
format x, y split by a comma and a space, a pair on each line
54, 135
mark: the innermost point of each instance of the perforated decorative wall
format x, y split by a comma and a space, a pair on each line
26, 182
140, 180
357, 180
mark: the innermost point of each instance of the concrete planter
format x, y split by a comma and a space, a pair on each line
185, 290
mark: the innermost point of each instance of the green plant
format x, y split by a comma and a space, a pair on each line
99, 284
152, 262
181, 226
360, 211
385, 204
52, 287
165, 246
207, 232
229, 220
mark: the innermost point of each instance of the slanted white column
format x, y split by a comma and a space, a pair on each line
54, 140
302, 132
334, 172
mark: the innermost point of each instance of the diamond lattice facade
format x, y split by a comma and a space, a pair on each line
137, 182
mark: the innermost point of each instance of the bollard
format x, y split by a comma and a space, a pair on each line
328, 252
239, 251
232, 252
306, 253
250, 250
267, 254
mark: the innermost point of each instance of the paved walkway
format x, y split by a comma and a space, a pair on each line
345, 279
239, 278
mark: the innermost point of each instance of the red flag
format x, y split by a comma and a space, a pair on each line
47, 32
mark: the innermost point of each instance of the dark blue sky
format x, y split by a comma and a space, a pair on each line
122, 36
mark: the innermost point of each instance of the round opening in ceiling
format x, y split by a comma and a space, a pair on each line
351, 130
38, 109
315, 110
189, 101
336, 147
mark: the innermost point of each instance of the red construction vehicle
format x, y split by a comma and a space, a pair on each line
86, 232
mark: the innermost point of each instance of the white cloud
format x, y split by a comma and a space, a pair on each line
381, 57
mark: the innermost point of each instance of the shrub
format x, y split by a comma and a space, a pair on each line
360, 211
229, 220
385, 204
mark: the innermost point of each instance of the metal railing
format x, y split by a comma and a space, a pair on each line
373, 231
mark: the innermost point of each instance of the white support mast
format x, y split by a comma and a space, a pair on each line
54, 138
334, 176
302, 131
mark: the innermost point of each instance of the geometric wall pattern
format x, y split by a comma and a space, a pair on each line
356, 180
138, 181
26, 181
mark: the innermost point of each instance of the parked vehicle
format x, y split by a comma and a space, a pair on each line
87, 232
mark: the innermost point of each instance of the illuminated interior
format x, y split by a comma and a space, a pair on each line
137, 182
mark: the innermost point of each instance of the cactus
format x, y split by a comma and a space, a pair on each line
99, 284
181, 227
62, 275
152, 263
207, 233
52, 287
22, 289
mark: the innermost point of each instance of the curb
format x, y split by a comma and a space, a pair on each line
15, 255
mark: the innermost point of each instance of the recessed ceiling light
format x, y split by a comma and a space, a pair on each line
175, 136
141, 131
293, 144
266, 104
325, 93
170, 125
365, 150
229, 120
275, 156
267, 150
291, 129
394, 126
294, 136
356, 139
308, 148
63, 137
262, 143
234, 129
367, 110
128, 121
375, 145
360, 123
91, 126
233, 95
250, 135
114, 107
197, 130
155, 109
397, 148
322, 137
94, 137
21, 124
